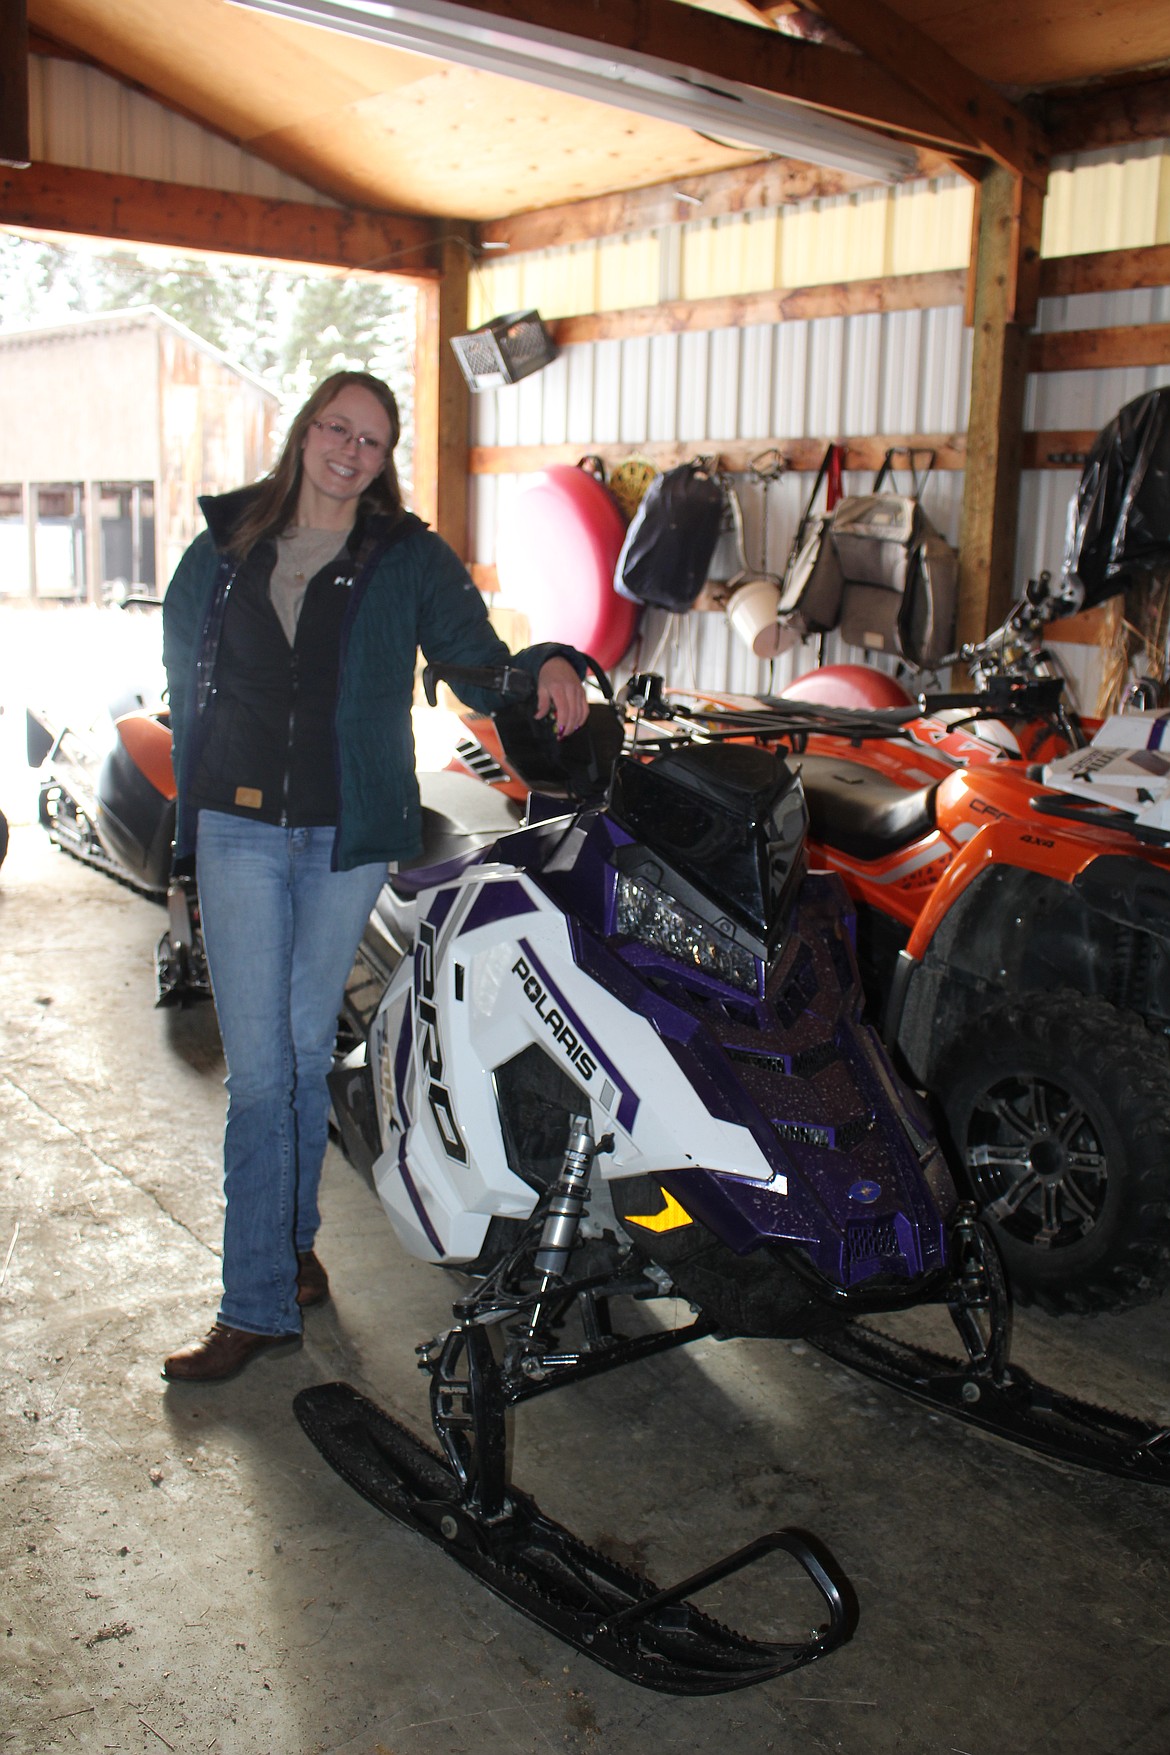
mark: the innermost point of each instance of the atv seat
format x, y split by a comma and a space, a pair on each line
859, 811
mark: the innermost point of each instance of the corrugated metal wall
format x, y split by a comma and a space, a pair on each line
833, 376
898, 372
80, 116
901, 372
906, 371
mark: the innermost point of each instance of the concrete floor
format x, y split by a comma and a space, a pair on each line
182, 1571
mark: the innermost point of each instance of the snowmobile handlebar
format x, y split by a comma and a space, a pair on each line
510, 681
507, 680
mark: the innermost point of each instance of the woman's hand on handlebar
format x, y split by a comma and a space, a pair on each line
559, 692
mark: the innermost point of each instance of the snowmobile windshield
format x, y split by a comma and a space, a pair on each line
730, 819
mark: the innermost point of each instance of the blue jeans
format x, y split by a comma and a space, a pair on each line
281, 931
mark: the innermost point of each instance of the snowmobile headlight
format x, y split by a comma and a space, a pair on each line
655, 918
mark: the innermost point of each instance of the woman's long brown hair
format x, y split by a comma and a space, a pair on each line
275, 506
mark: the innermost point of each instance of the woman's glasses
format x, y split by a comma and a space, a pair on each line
340, 434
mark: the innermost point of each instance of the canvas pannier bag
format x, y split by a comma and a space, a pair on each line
878, 571
810, 595
671, 539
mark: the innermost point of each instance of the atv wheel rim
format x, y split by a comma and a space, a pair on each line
1037, 1161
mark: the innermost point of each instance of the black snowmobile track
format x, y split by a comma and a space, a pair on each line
89, 851
1020, 1410
620, 1620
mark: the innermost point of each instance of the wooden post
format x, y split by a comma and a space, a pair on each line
14, 124
31, 519
442, 407
1006, 273
92, 512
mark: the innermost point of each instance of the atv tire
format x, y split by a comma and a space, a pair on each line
1059, 1109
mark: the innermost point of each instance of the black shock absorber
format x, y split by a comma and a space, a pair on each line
567, 1203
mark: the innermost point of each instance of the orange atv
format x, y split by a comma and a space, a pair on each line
1014, 934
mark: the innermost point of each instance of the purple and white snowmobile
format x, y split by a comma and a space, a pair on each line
618, 1053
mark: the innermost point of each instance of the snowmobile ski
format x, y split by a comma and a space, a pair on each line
1014, 1406
653, 1637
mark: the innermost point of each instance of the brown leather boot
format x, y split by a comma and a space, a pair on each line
312, 1280
221, 1353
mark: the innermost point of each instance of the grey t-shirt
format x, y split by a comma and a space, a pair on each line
300, 553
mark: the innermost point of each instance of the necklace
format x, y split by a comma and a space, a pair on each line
306, 551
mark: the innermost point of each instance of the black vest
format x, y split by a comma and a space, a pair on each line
268, 750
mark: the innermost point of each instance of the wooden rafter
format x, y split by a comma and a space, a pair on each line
996, 126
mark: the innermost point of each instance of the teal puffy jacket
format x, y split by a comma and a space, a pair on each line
410, 592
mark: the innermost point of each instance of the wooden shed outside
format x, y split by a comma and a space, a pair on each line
117, 423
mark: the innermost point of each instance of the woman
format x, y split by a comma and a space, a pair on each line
290, 637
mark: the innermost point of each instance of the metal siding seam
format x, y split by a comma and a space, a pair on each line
582, 363
663, 388
634, 411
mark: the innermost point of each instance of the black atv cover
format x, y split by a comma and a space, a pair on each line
1119, 518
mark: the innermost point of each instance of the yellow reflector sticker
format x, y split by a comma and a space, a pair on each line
671, 1218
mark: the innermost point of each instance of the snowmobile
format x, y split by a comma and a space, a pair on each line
613, 1059
107, 796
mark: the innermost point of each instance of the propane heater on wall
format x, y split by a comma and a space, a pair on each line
504, 350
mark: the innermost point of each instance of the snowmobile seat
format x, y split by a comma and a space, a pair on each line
859, 811
460, 817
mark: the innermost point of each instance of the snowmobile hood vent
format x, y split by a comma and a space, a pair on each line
730, 818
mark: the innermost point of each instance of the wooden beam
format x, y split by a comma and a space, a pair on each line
60, 198
1082, 117
703, 42
1090, 350
1038, 450
771, 183
442, 410
974, 109
802, 456
1027, 222
15, 148
1056, 450
1085, 629
894, 292
1105, 271
987, 531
